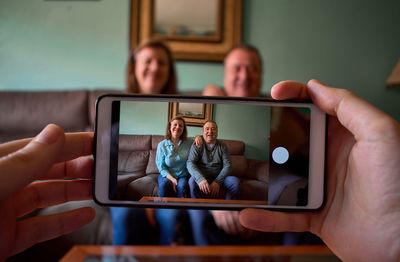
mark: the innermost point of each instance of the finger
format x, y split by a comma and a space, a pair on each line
207, 188
357, 115
25, 165
42, 228
272, 221
236, 226
49, 193
78, 168
289, 90
77, 144
12, 146
202, 188
229, 224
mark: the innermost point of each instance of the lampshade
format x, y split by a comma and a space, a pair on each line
394, 79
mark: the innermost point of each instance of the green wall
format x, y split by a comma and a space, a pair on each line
47, 45
84, 44
249, 124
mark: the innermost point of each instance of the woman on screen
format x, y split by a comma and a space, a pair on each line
171, 157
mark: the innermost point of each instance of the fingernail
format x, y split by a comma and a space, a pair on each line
49, 135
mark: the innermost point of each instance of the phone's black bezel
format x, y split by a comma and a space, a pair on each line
215, 98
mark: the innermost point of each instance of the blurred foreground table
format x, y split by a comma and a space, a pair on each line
199, 254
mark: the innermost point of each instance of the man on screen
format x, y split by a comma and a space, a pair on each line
210, 165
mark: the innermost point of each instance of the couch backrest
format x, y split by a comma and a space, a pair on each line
24, 114
239, 161
138, 154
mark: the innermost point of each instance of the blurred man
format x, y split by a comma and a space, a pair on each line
243, 73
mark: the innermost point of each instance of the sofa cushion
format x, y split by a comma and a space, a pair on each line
31, 111
151, 166
239, 165
133, 161
134, 142
258, 170
155, 140
251, 189
144, 186
235, 147
124, 178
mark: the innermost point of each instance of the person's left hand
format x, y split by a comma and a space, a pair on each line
51, 157
214, 189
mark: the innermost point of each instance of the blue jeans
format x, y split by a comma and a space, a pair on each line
231, 185
165, 188
167, 221
131, 227
204, 230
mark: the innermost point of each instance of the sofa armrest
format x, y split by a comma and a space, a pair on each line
258, 170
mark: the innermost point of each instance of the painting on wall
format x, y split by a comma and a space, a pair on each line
194, 114
194, 30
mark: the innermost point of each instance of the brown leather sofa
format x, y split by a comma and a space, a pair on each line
137, 170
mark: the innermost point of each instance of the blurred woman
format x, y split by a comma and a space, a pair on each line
150, 70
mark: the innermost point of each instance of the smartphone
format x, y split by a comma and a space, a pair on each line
276, 152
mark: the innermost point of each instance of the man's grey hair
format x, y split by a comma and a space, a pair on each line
211, 121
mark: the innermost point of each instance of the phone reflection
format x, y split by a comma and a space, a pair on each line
238, 156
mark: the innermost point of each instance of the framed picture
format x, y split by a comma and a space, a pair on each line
194, 30
194, 114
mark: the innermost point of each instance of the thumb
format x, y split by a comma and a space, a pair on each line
272, 221
353, 112
27, 164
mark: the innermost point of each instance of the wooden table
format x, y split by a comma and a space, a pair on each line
201, 200
199, 254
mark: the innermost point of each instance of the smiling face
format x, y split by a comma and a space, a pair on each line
210, 133
176, 128
151, 70
242, 74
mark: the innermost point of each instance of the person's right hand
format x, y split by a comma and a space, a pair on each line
173, 181
229, 222
204, 186
361, 217
48, 159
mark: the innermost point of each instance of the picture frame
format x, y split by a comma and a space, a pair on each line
194, 114
190, 48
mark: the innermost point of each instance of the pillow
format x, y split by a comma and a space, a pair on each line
151, 166
133, 161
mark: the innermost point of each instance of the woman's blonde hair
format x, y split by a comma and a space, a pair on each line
132, 85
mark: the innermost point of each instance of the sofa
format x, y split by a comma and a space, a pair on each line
137, 170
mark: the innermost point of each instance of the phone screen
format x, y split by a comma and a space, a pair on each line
268, 148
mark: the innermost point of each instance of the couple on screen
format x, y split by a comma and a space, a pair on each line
203, 166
